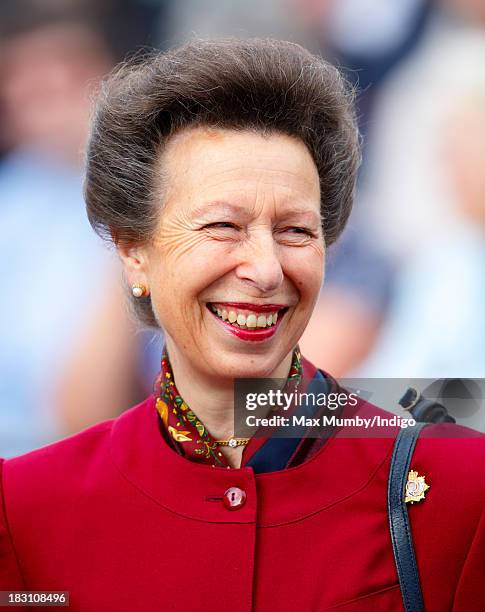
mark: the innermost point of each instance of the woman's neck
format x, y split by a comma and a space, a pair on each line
211, 398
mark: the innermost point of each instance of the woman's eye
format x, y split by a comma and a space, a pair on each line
220, 225
295, 235
299, 231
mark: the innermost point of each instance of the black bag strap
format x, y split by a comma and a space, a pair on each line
402, 543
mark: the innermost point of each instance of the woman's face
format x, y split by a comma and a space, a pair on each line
237, 260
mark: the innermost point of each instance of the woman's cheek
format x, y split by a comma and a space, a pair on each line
306, 271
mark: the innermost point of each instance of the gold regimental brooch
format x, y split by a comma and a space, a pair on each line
416, 487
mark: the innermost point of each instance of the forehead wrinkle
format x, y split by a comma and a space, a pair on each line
290, 179
216, 165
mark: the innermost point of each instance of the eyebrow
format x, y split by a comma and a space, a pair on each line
303, 212
208, 207
221, 206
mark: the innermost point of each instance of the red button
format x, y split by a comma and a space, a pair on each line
234, 498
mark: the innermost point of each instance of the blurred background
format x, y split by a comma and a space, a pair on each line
405, 286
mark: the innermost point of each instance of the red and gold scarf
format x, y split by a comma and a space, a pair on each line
187, 433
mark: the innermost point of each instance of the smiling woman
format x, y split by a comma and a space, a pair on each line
221, 171
240, 223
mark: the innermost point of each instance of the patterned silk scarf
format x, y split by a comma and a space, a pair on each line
186, 432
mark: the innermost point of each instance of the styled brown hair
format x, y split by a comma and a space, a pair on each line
253, 84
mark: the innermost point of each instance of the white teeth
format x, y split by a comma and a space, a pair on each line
241, 319
251, 321
246, 321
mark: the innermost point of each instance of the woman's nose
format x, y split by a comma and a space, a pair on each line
259, 264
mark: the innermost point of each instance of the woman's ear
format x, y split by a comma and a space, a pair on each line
135, 262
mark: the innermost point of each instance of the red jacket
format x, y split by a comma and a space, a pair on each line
123, 523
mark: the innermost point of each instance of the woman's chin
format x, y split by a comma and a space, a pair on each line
233, 365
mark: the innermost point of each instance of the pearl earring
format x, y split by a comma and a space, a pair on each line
138, 290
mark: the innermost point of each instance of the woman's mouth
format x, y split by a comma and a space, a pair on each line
250, 322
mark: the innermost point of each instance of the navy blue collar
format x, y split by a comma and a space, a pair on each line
278, 452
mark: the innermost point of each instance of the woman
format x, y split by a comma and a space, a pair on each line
222, 171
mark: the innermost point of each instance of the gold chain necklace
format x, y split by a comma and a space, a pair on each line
232, 442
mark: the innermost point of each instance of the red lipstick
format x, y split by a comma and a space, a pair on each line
249, 335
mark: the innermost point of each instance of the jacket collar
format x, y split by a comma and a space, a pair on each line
342, 468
